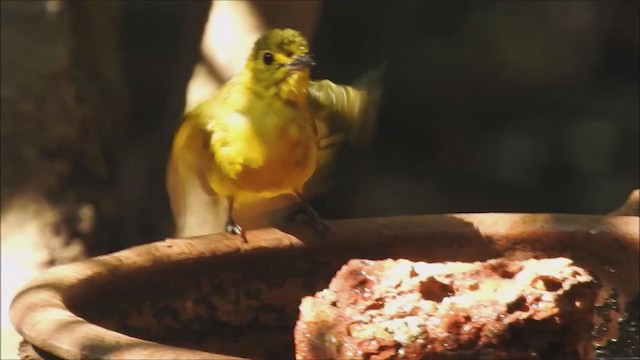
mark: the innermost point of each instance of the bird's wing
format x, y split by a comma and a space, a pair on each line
196, 208
343, 114
347, 112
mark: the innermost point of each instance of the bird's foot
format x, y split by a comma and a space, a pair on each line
233, 228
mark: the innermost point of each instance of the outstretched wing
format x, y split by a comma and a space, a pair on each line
347, 112
343, 114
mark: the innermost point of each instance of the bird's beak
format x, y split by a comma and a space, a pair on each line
301, 62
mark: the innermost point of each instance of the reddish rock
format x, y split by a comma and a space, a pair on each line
398, 309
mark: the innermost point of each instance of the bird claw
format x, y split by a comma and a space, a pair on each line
233, 228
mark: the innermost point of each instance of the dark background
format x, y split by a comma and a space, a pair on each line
488, 106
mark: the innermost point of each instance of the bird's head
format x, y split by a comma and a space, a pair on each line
280, 61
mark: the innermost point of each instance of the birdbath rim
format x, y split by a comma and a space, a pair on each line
40, 314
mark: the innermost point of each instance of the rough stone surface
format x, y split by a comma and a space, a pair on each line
398, 309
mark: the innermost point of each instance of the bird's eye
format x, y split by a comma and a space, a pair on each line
267, 58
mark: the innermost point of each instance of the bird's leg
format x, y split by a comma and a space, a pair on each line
314, 219
232, 227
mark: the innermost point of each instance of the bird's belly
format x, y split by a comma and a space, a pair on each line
284, 168
283, 173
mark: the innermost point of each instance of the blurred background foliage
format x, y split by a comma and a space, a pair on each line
490, 106
496, 106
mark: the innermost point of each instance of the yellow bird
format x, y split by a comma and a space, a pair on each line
260, 135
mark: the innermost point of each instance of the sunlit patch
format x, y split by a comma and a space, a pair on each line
53, 7
201, 86
26, 225
231, 30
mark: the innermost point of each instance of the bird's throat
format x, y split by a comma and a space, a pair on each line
294, 87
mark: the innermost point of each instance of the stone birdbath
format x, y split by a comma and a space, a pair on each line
215, 297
